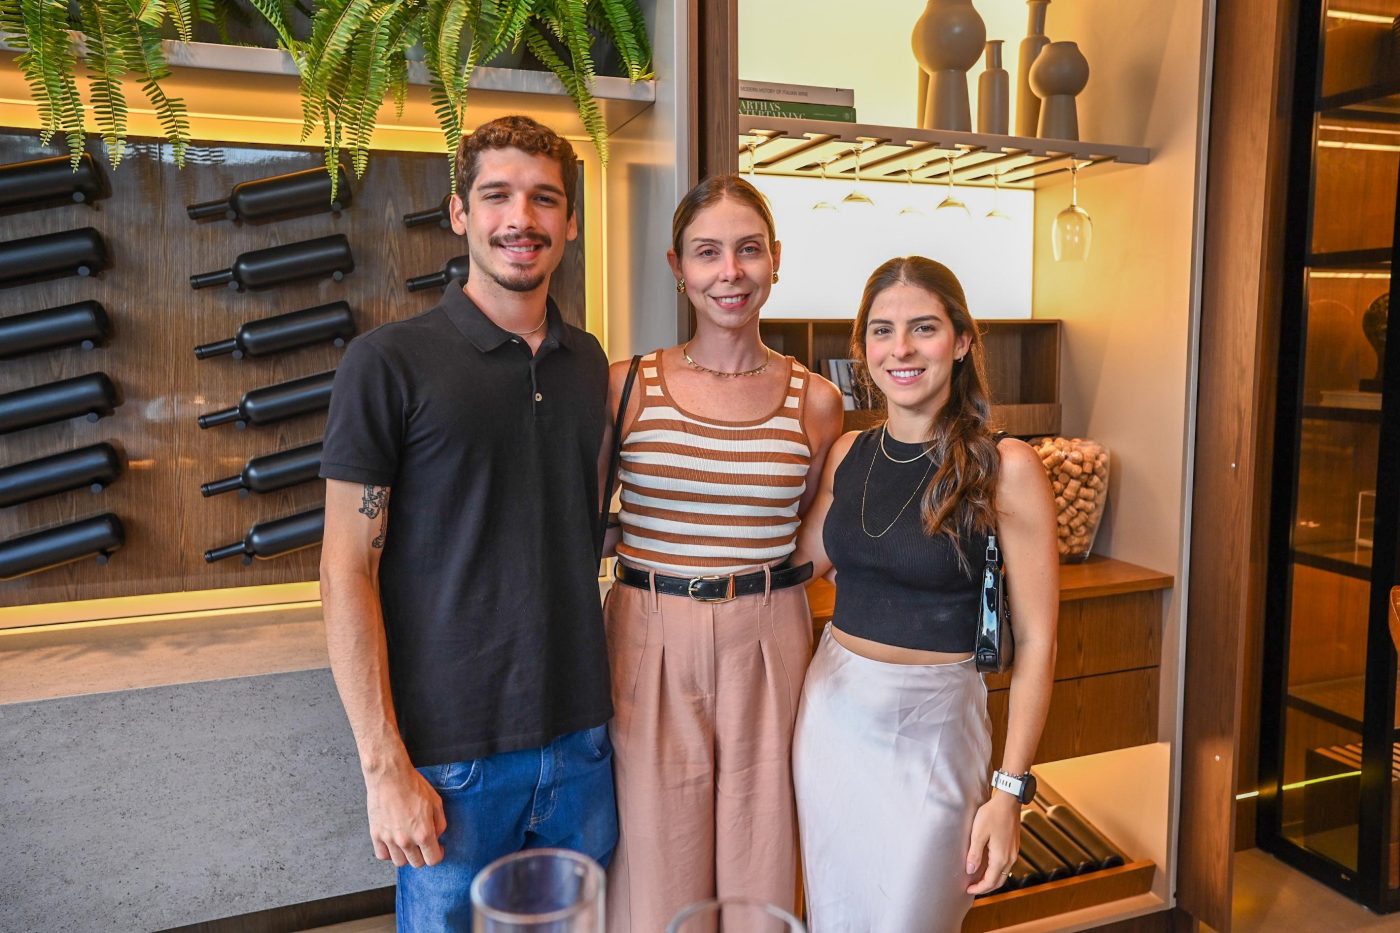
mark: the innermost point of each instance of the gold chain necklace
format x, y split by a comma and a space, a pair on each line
526, 333
866, 489
922, 453
768, 356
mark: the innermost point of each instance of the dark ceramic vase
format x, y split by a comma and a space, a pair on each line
1373, 325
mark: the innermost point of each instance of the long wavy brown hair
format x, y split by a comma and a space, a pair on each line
961, 499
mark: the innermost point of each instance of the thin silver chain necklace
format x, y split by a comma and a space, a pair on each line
865, 491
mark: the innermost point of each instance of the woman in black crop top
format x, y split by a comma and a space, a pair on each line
891, 759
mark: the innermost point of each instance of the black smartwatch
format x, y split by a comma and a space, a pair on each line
1020, 786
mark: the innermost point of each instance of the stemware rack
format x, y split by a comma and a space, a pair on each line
777, 146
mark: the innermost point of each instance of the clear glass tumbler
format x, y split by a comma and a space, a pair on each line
734, 915
539, 891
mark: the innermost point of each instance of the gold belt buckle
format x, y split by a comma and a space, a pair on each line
696, 581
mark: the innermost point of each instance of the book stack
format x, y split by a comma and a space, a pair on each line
796, 101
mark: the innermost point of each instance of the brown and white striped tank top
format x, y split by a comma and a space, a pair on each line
703, 496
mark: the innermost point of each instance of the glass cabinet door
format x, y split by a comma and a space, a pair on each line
1330, 764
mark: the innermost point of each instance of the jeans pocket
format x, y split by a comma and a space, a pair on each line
597, 742
454, 776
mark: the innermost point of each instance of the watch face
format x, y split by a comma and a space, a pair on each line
1028, 788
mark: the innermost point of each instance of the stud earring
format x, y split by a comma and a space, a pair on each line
775, 278
680, 287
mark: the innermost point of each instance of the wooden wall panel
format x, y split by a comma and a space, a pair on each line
1245, 187
158, 319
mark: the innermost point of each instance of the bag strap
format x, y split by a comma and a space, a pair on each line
993, 551
615, 454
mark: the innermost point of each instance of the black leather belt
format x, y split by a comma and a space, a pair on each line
715, 588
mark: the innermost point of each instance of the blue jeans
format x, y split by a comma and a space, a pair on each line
560, 795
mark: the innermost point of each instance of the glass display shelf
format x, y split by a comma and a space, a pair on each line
1355, 414
1347, 559
1341, 702
1379, 101
1361, 260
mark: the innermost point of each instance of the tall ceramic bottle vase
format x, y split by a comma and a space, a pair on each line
994, 94
1060, 72
1027, 104
947, 41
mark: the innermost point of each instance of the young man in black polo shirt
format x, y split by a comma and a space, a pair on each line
458, 574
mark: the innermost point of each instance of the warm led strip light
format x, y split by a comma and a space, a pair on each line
1369, 147
160, 617
1360, 17
1248, 795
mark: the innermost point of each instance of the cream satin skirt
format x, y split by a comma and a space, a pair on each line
890, 762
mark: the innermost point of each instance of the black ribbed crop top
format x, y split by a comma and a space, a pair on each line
902, 587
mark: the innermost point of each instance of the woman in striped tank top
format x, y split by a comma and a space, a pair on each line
709, 632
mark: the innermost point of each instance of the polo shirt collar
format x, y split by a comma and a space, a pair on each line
485, 334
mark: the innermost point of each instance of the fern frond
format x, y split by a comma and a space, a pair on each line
622, 23
150, 12
538, 43
182, 15
112, 41
170, 111
273, 12
48, 64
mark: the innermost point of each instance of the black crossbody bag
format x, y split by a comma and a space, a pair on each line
996, 645
615, 454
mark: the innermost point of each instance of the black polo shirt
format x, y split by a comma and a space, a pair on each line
488, 578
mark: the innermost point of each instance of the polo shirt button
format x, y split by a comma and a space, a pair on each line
539, 397
515, 340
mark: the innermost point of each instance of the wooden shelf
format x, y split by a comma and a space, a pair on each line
247, 94
778, 146
1349, 560
1059, 897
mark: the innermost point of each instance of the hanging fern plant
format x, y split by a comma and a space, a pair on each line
356, 55
117, 39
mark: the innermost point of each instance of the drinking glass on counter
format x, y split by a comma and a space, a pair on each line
734, 915
539, 891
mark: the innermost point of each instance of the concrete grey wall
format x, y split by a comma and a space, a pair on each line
149, 809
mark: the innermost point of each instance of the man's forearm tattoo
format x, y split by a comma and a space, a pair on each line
373, 505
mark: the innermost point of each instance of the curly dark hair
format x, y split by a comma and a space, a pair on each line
516, 132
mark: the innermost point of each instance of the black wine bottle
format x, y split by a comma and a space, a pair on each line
1046, 862
1033, 821
276, 402
93, 396
281, 196
1089, 839
456, 268
330, 322
52, 255
51, 182
275, 538
53, 547
1023, 875
270, 472
96, 466
433, 215
327, 256
83, 323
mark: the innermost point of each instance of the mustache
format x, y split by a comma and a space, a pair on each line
541, 239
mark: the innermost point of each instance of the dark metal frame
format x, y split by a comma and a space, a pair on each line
1367, 883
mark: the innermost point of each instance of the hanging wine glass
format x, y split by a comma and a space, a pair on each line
858, 198
1073, 232
753, 157
951, 208
996, 214
823, 204
911, 209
